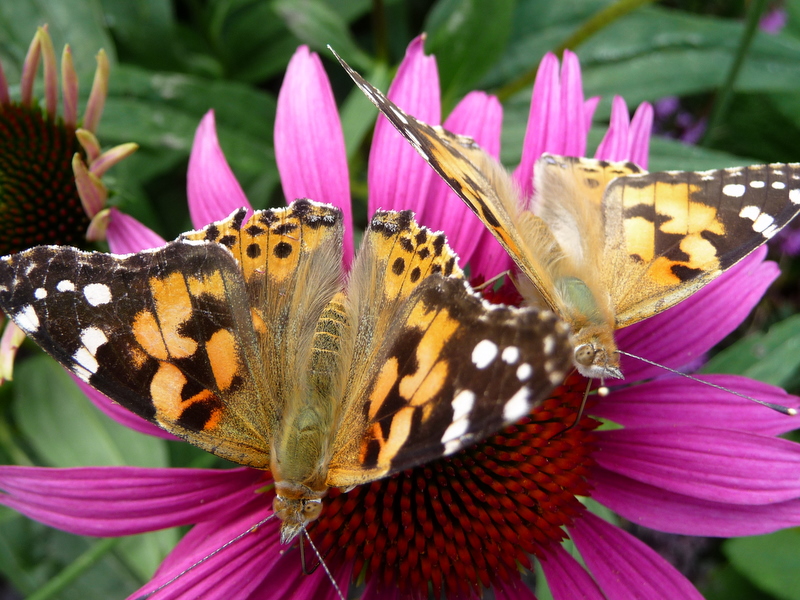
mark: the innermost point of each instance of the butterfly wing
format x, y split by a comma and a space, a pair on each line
669, 234
170, 333
483, 184
447, 369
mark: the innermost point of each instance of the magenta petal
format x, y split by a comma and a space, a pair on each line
679, 401
665, 510
615, 145
398, 177
512, 591
566, 578
710, 315
639, 137
712, 464
588, 110
114, 501
212, 188
285, 579
126, 235
118, 413
233, 572
575, 127
626, 567
479, 116
309, 143
544, 125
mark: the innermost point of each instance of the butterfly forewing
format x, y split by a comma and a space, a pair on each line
669, 234
166, 333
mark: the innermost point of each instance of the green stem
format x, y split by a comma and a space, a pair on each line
600, 20
80, 565
725, 94
380, 29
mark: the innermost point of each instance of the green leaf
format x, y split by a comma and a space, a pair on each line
161, 112
771, 562
66, 429
467, 37
317, 24
726, 583
144, 31
772, 357
79, 24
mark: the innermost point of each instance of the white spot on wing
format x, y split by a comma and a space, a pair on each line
794, 196
27, 319
484, 353
462, 404
84, 359
762, 222
97, 294
65, 285
524, 372
549, 344
757, 184
93, 338
455, 431
40, 293
750, 212
510, 355
734, 190
518, 406
778, 185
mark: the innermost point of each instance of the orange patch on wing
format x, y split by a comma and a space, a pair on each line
429, 349
148, 334
212, 284
640, 237
398, 434
173, 308
224, 357
165, 390
383, 385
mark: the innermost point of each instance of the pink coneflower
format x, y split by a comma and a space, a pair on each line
468, 523
50, 166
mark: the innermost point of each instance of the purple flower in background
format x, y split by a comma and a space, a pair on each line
466, 523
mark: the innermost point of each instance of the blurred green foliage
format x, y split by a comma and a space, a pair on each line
173, 60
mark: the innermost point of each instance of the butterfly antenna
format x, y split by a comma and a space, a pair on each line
207, 557
784, 410
322, 562
492, 280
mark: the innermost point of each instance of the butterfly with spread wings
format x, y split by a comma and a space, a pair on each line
244, 339
604, 244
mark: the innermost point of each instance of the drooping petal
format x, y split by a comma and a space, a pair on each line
309, 143
114, 501
626, 567
119, 414
566, 578
69, 85
679, 401
712, 464
398, 177
710, 314
212, 188
666, 510
615, 145
640, 131
91, 190
97, 97
543, 128
126, 235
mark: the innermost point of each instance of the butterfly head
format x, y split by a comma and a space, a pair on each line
595, 354
296, 506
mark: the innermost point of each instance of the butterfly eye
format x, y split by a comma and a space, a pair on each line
312, 509
584, 355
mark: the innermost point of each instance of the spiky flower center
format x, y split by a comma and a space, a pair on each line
39, 202
461, 524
